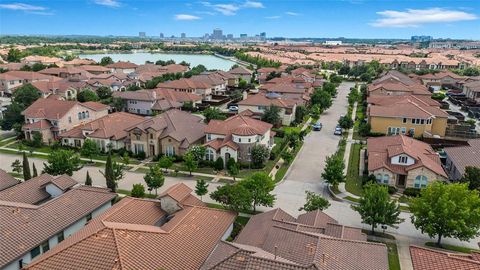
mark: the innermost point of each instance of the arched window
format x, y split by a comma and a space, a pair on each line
79, 115
83, 115
420, 181
379, 178
386, 178
209, 155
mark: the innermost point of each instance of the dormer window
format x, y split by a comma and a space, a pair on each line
402, 159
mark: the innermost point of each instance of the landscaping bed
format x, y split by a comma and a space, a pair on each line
353, 181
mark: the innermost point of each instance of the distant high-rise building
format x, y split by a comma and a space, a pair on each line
243, 35
230, 36
142, 34
183, 35
421, 38
161, 35
217, 33
263, 35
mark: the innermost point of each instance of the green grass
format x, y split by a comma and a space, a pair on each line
281, 173
393, 261
404, 199
16, 152
379, 234
452, 247
289, 130
267, 169
353, 182
127, 192
6, 141
335, 190
404, 208
42, 149
16, 175
219, 206
352, 199
242, 220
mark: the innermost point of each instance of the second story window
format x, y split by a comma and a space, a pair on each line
402, 159
35, 252
60, 237
89, 217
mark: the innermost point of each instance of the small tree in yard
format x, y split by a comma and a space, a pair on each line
272, 115
190, 163
376, 207
35, 173
236, 197
113, 173
62, 162
89, 149
260, 186
198, 152
345, 122
154, 178
259, 154
447, 211
88, 180
165, 162
314, 202
138, 191
333, 172
17, 166
472, 177
287, 156
218, 164
37, 140
26, 167
201, 188
233, 170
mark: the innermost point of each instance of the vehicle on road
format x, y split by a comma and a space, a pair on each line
233, 108
317, 126
338, 130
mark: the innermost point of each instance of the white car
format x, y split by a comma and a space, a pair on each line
233, 108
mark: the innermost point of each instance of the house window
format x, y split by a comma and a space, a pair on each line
45, 246
209, 137
422, 121
420, 181
35, 252
20, 263
83, 115
386, 178
60, 237
404, 120
70, 119
239, 139
379, 178
89, 217
413, 121
138, 148
249, 140
151, 136
210, 155
79, 116
402, 159
404, 130
87, 114
170, 151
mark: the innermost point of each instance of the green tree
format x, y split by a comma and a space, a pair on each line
165, 162
17, 166
14, 55
119, 104
201, 188
272, 115
447, 211
88, 180
37, 139
26, 167
213, 113
198, 152
472, 177
62, 162
26, 95
236, 197
314, 202
376, 207
126, 159
322, 99
38, 66
260, 186
12, 116
190, 163
138, 191
259, 154
345, 122
287, 156
154, 178
233, 169
300, 113
87, 95
89, 149
333, 172
109, 174
107, 60
35, 173
242, 84
218, 164
104, 92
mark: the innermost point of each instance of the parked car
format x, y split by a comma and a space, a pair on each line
317, 126
233, 108
338, 131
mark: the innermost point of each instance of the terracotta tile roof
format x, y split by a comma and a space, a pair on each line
123, 65
47, 87
159, 94
473, 86
184, 84
275, 240
56, 109
261, 99
464, 156
6, 180
409, 107
441, 75
96, 106
239, 125
111, 126
182, 194
118, 239
26, 226
430, 259
388, 100
209, 79
240, 71
56, 71
39, 125
94, 68
382, 149
24, 75
33, 191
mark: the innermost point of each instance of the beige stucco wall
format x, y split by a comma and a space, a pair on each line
431, 176
392, 177
381, 124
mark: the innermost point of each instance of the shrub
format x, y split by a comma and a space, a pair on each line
219, 164
392, 190
140, 155
138, 191
206, 163
279, 132
366, 179
412, 192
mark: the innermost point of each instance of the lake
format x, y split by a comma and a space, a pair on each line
139, 58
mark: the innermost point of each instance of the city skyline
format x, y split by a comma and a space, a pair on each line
299, 19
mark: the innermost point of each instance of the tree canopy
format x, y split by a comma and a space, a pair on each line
154, 178
314, 202
271, 115
333, 172
62, 162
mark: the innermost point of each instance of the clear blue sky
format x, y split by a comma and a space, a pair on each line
288, 18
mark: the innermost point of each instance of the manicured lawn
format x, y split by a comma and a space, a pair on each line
353, 183
289, 130
127, 192
16, 152
281, 173
6, 141
393, 261
335, 190
248, 172
352, 199
452, 247
43, 149
341, 147
379, 234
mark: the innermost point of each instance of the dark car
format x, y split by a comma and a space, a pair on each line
317, 126
338, 130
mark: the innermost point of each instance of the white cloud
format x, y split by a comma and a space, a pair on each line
273, 17
21, 6
226, 9
108, 3
232, 8
292, 13
252, 4
186, 17
417, 17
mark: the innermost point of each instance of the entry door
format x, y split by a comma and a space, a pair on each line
401, 180
152, 150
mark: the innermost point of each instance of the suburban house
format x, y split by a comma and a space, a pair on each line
460, 157
259, 102
234, 138
148, 102
78, 62
262, 73
52, 117
314, 240
298, 92
123, 67
396, 83
217, 83
107, 131
170, 133
175, 231
470, 89
67, 88
45, 60
64, 72
95, 69
41, 213
11, 80
436, 81
6, 180
205, 90
403, 162
433, 259
408, 115
230, 79
242, 73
